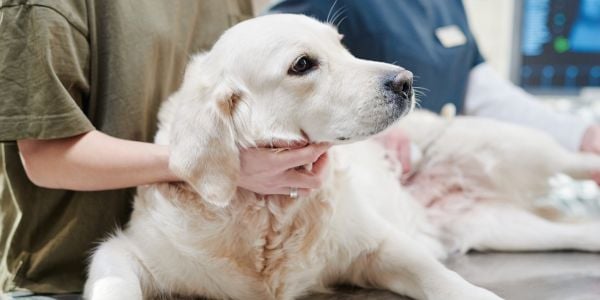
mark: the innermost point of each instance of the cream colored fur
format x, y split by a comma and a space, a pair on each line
207, 238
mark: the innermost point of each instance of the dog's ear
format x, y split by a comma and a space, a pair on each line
202, 140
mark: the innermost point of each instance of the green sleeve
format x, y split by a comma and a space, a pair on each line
44, 70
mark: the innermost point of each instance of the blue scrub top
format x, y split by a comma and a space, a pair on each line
403, 32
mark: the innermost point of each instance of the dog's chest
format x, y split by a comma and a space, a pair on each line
273, 242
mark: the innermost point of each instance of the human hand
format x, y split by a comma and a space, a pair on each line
591, 140
591, 143
274, 171
398, 142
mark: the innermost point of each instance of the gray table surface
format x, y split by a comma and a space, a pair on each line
513, 276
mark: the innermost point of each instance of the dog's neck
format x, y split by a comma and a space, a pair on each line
260, 234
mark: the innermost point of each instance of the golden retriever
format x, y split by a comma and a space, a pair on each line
288, 77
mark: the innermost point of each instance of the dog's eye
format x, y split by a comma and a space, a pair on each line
302, 65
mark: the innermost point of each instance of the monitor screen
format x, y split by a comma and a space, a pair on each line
559, 45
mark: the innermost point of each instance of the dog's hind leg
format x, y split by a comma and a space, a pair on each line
114, 273
508, 228
400, 264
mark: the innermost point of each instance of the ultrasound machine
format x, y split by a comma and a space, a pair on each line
556, 56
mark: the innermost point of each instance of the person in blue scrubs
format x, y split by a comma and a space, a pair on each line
432, 39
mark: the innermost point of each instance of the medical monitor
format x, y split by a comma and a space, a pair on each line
556, 45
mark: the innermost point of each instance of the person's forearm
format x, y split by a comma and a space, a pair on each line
489, 95
94, 161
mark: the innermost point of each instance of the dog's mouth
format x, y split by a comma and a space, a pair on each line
399, 110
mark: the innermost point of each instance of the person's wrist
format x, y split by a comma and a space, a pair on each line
166, 174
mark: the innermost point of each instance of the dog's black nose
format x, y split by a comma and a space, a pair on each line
402, 83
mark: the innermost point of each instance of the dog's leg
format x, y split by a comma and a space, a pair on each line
402, 265
507, 228
114, 273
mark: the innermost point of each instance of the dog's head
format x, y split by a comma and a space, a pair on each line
283, 77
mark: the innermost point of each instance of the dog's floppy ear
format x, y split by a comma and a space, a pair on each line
202, 139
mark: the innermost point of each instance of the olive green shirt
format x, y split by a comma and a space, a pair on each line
68, 67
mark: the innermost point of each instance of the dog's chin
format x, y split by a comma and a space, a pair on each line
362, 134
394, 115
350, 137
353, 138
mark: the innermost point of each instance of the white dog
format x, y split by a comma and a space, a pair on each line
288, 77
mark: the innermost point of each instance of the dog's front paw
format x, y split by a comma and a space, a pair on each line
461, 291
471, 294
477, 293
111, 288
